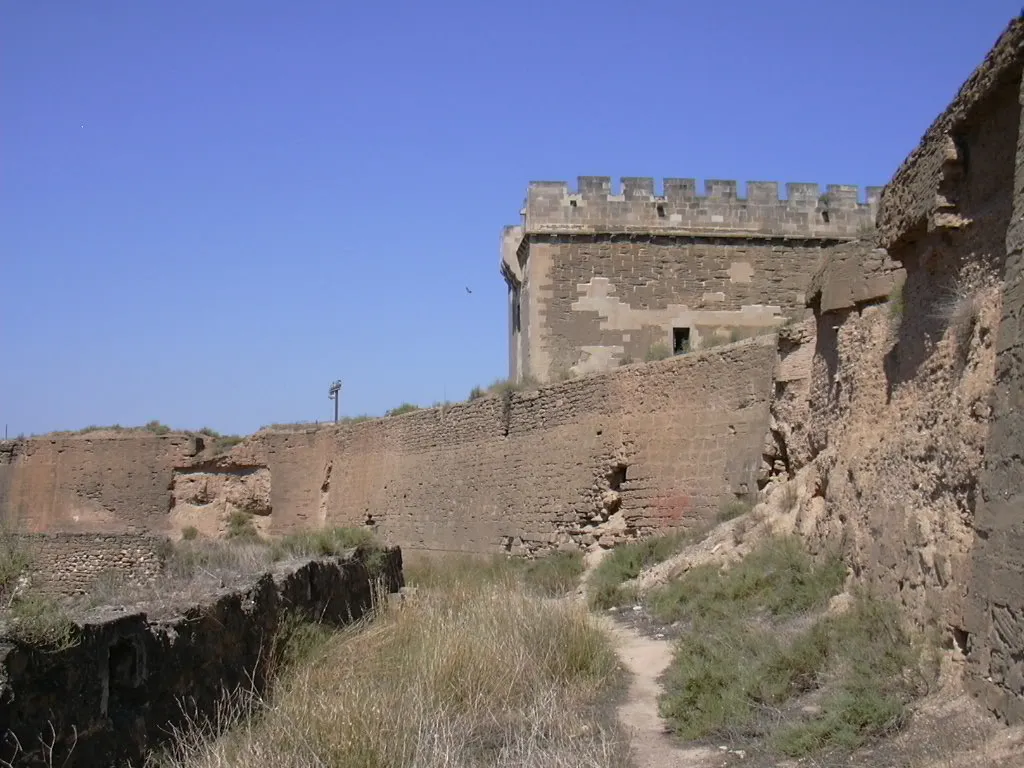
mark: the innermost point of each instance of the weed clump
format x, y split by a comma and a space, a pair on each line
241, 526
403, 408
625, 562
732, 509
471, 672
657, 351
779, 579
739, 668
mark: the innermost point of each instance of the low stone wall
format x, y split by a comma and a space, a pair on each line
69, 563
115, 696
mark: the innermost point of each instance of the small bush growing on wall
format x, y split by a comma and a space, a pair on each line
403, 408
189, 532
476, 393
240, 526
157, 428
896, 303
657, 351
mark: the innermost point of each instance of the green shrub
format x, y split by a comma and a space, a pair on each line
240, 526
779, 578
725, 670
730, 670
625, 562
15, 559
225, 443
897, 302
732, 509
157, 428
476, 393
553, 575
189, 532
879, 670
403, 408
657, 351
209, 432
41, 621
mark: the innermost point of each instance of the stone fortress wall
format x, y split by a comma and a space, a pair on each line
597, 278
71, 563
577, 463
894, 407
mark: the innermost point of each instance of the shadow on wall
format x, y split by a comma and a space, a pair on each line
118, 692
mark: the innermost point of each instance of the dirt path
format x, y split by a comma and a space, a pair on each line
646, 658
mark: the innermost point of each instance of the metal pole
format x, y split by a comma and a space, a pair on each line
332, 393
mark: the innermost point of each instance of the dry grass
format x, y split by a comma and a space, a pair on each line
476, 672
193, 567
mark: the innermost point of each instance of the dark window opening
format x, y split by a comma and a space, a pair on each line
661, 211
824, 216
125, 665
572, 203
516, 320
680, 341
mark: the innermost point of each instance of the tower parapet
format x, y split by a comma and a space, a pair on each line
594, 207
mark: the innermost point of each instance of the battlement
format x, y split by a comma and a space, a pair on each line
806, 212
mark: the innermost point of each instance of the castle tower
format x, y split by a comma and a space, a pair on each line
598, 278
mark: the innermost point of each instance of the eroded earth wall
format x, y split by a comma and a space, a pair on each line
91, 484
904, 433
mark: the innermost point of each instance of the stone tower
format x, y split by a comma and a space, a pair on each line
597, 279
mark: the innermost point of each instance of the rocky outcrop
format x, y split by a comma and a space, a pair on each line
118, 692
901, 441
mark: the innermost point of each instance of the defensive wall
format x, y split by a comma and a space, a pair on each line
576, 463
70, 563
596, 277
902, 425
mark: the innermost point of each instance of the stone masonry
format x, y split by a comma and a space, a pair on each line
597, 279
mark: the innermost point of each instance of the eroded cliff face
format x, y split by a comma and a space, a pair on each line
896, 434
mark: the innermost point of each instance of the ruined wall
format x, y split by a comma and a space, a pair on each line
90, 484
129, 681
69, 563
595, 277
903, 437
592, 459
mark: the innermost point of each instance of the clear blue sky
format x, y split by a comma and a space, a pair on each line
209, 209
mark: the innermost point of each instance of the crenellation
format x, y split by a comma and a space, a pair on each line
595, 207
801, 195
763, 192
638, 188
680, 189
595, 187
842, 196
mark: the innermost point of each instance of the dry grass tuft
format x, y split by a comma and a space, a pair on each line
476, 672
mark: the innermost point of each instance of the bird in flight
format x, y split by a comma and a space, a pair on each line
467, 289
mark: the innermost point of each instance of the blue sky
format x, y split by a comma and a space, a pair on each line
209, 209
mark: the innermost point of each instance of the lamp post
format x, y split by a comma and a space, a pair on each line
332, 393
